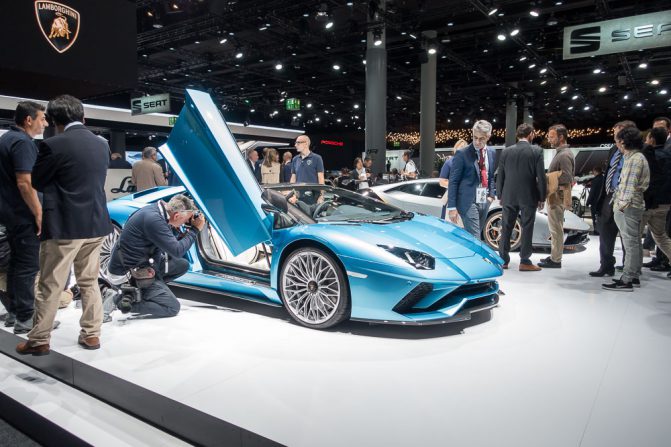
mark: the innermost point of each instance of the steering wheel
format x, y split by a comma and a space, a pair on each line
320, 208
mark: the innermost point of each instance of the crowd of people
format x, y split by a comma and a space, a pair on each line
56, 218
54, 210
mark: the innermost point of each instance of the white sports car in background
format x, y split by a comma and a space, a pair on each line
425, 196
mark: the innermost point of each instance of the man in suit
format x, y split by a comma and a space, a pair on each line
663, 121
471, 181
147, 173
254, 164
607, 228
521, 187
70, 171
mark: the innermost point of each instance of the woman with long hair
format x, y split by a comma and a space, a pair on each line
270, 169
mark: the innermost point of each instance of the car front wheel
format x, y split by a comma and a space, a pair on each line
494, 229
313, 288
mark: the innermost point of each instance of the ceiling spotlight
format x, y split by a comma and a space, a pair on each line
543, 70
597, 70
534, 12
523, 58
602, 89
150, 13
515, 32
574, 97
501, 36
377, 37
492, 11
626, 97
544, 81
239, 55
643, 64
399, 98
638, 104
663, 92
586, 108
223, 41
532, 66
174, 6
552, 21
336, 67
654, 82
356, 106
329, 24
278, 66
564, 87
309, 105
570, 107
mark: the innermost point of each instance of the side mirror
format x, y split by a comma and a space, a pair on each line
274, 201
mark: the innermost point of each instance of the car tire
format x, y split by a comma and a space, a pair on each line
494, 228
106, 252
577, 208
314, 289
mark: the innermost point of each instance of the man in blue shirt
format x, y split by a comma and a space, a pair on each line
21, 212
607, 228
306, 167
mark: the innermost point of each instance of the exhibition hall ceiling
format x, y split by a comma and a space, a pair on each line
254, 55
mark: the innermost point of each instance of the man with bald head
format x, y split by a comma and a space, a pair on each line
307, 167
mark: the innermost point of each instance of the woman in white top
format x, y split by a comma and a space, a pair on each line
270, 169
360, 173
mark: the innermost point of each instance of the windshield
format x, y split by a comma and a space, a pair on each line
328, 204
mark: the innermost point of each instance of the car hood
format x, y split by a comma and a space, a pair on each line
423, 233
203, 153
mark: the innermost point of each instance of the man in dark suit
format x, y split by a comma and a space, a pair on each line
665, 122
70, 171
521, 187
607, 228
254, 163
472, 187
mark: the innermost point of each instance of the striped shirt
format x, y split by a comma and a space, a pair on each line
634, 180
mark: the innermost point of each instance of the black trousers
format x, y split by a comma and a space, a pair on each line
158, 301
24, 263
607, 235
528, 217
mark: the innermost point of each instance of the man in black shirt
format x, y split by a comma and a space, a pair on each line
21, 212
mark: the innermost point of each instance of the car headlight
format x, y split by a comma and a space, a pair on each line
417, 259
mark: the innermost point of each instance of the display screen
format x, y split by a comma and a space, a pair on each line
81, 47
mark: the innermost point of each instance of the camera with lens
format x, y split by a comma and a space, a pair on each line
196, 214
129, 296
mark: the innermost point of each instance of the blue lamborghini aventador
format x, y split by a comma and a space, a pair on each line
324, 253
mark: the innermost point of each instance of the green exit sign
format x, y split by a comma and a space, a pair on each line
293, 104
397, 144
172, 120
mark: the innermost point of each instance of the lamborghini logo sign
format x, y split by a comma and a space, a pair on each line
59, 24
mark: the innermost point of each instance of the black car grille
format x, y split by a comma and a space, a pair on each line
452, 298
413, 297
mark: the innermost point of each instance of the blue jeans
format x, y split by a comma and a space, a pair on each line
22, 270
474, 218
629, 224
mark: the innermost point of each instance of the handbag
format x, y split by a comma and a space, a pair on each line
142, 276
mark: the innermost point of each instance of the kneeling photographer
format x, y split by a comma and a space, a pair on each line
151, 247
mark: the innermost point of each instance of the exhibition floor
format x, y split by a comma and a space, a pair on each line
561, 362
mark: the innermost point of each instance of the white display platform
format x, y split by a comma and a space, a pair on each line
560, 363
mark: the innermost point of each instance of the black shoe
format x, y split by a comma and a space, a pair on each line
636, 282
661, 268
548, 263
619, 268
652, 263
123, 303
618, 286
603, 272
10, 319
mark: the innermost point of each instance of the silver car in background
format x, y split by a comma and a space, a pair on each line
425, 196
